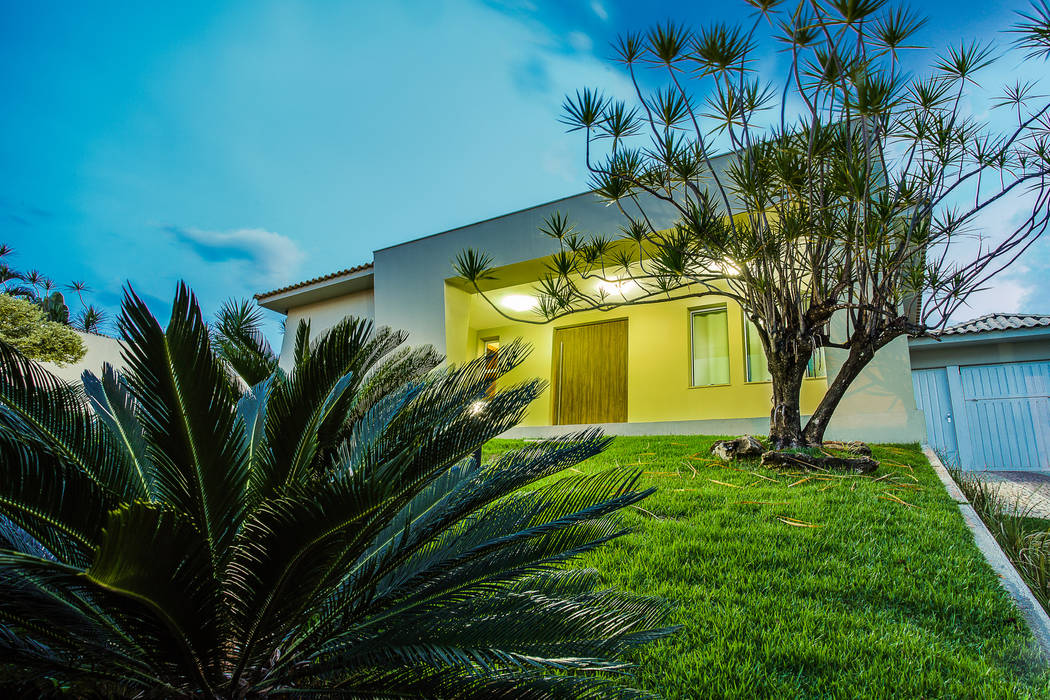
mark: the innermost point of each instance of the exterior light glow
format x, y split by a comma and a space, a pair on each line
477, 407
616, 286
519, 302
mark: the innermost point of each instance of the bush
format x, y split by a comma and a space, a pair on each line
23, 326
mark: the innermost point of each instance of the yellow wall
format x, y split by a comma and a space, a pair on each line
658, 360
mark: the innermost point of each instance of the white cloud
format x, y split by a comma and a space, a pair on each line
580, 41
599, 9
261, 257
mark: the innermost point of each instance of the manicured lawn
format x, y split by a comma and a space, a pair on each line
880, 599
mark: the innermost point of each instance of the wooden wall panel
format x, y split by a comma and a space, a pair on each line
589, 373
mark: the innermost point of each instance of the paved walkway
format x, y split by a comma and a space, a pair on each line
1029, 491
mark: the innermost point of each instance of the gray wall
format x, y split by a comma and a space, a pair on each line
946, 353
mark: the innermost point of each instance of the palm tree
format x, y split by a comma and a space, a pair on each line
90, 319
238, 340
164, 538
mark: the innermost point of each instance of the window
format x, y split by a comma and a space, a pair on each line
816, 366
754, 354
755, 357
710, 341
491, 350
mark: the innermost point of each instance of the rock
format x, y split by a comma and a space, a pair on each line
738, 448
854, 447
823, 463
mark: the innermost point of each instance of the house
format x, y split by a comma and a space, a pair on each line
684, 366
984, 386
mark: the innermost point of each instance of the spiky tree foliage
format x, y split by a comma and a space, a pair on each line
41, 290
162, 537
849, 190
90, 319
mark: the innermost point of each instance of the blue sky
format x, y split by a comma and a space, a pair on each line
245, 145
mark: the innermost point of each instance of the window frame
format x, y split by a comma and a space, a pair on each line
746, 336
703, 310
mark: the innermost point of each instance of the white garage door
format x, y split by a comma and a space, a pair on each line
1006, 421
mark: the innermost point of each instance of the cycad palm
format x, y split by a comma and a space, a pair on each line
326, 530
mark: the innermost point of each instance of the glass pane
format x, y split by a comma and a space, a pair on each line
491, 357
816, 366
757, 368
710, 347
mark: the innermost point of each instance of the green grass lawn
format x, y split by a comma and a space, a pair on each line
862, 596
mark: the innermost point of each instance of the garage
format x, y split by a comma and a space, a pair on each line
984, 387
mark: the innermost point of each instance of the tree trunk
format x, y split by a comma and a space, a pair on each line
860, 355
785, 418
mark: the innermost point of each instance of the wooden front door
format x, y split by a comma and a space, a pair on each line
589, 374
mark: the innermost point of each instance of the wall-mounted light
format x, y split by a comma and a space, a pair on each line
729, 269
617, 286
519, 302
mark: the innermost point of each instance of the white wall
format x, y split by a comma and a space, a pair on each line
410, 278
100, 349
323, 315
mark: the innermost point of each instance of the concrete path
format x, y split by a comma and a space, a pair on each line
1027, 491
1033, 613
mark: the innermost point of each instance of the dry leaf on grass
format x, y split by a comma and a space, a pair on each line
647, 512
891, 497
795, 523
722, 483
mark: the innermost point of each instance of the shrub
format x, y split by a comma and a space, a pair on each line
326, 531
23, 326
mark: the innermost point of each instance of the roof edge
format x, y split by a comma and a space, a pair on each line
330, 277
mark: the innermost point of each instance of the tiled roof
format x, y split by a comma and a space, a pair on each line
315, 280
998, 322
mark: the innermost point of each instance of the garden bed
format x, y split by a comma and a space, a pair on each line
804, 585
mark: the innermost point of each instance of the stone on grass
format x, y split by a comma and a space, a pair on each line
738, 448
822, 463
854, 447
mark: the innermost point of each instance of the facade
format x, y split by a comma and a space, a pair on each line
984, 386
673, 367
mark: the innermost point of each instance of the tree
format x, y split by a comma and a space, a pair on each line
175, 540
24, 326
844, 210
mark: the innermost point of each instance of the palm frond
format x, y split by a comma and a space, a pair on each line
35, 402
188, 417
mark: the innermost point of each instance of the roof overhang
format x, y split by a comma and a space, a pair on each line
325, 288
981, 338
